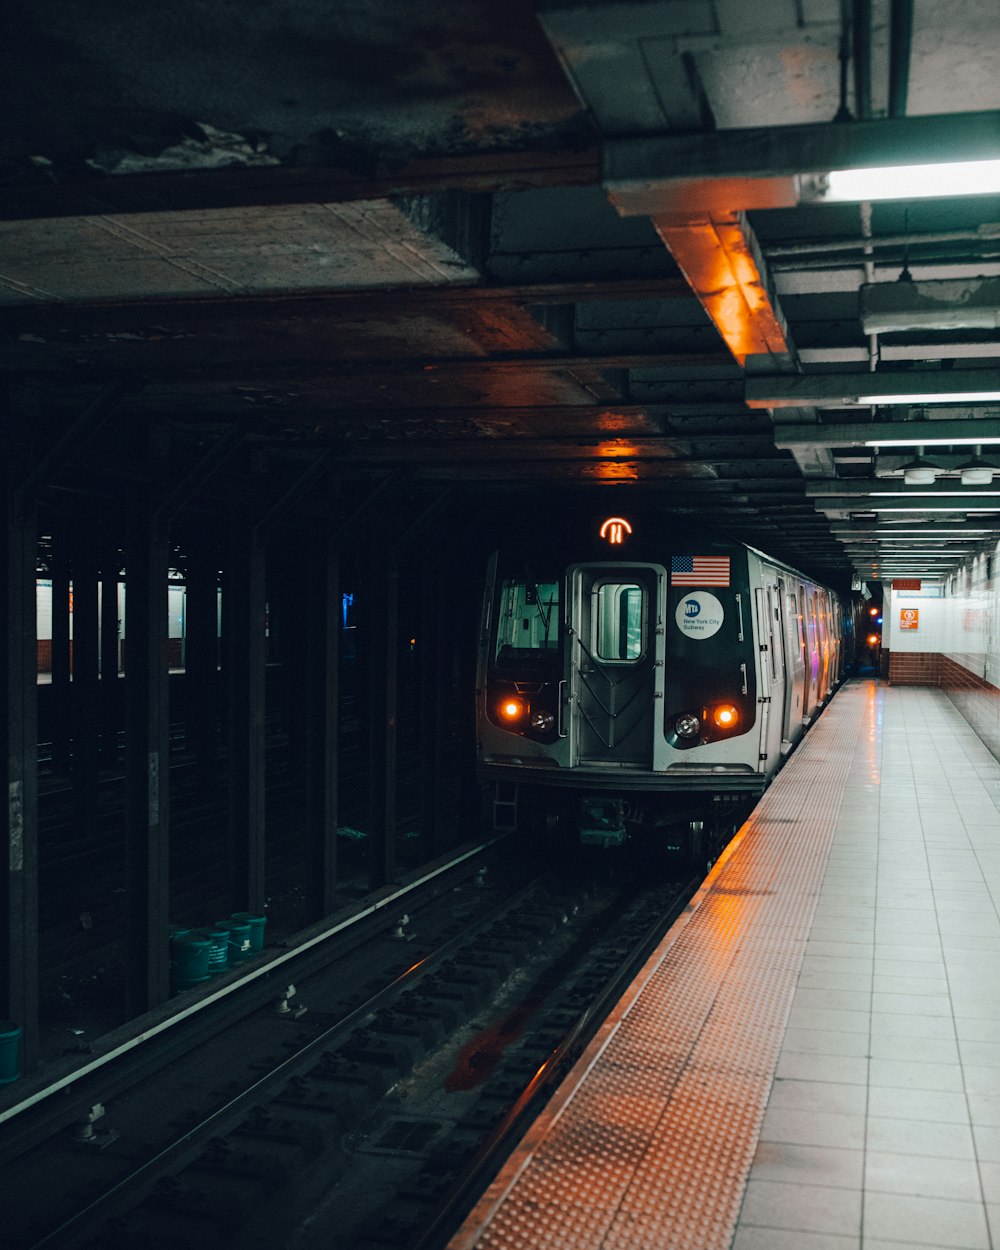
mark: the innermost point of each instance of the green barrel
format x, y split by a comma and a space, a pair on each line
218, 953
256, 924
239, 939
10, 1051
188, 960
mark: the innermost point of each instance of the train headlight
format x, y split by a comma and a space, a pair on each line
725, 716
687, 725
512, 709
542, 722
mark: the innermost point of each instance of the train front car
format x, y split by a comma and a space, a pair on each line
642, 692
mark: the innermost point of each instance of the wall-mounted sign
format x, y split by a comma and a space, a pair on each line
614, 530
906, 583
909, 618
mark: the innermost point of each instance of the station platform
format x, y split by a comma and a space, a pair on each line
811, 1058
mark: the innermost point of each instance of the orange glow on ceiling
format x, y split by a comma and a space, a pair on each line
717, 254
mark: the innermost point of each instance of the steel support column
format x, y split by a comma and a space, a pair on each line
85, 690
201, 661
322, 709
110, 655
147, 759
383, 594
243, 616
59, 694
18, 718
436, 659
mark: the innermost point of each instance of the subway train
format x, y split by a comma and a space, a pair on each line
636, 680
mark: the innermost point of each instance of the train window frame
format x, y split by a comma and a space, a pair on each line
620, 612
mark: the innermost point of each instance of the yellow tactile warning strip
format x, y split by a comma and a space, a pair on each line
648, 1142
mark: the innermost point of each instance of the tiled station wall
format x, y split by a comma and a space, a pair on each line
956, 644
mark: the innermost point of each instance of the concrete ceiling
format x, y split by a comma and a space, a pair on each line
518, 246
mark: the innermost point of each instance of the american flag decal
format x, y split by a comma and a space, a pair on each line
699, 570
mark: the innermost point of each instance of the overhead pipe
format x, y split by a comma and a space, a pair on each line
854, 49
865, 209
861, 38
843, 113
900, 40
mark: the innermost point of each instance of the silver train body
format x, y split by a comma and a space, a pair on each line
636, 692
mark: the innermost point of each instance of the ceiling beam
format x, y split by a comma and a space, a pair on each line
969, 304
719, 256
883, 433
852, 503
241, 187
224, 371
908, 351
323, 306
942, 529
895, 486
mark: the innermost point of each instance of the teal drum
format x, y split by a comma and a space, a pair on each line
239, 939
188, 960
10, 1051
218, 952
257, 924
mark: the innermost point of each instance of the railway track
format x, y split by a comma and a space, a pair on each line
372, 1117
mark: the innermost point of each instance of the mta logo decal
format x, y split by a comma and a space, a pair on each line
692, 608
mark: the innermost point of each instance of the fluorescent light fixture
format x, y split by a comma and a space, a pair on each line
925, 442
929, 397
929, 536
928, 494
927, 507
906, 182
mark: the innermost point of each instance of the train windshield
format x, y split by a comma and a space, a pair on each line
528, 624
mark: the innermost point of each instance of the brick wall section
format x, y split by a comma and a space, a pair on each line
976, 699
915, 668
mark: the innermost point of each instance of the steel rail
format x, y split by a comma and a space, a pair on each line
187, 1145
265, 969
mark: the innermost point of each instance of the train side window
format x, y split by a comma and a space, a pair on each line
618, 615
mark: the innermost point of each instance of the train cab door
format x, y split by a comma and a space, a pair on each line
614, 662
771, 685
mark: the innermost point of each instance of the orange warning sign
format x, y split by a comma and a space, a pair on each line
909, 618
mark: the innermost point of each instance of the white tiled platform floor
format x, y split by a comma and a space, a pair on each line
811, 1060
882, 1129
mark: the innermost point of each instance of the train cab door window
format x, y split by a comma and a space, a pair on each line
617, 617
